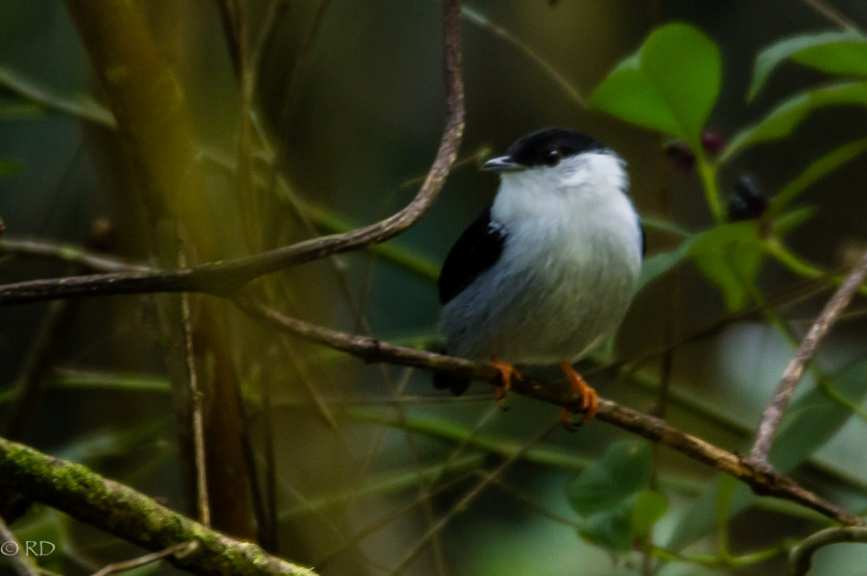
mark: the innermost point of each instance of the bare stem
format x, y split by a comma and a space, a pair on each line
831, 14
227, 276
773, 414
801, 557
176, 550
16, 554
197, 415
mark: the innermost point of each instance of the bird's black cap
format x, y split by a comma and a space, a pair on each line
544, 148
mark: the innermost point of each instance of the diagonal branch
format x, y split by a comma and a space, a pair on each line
762, 481
226, 277
773, 414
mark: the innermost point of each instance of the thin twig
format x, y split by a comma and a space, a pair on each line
384, 521
485, 23
198, 420
301, 63
228, 20
11, 549
801, 556
773, 414
29, 381
80, 107
70, 253
276, 11
175, 550
226, 277
468, 499
831, 14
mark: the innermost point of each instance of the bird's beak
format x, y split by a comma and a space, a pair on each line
501, 164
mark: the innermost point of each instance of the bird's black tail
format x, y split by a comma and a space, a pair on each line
457, 385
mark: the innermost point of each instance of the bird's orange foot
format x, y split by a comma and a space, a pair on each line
507, 373
586, 394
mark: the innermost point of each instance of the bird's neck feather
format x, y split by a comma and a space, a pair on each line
587, 190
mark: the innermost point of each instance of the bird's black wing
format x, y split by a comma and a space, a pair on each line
478, 248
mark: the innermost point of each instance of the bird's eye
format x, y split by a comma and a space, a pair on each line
552, 157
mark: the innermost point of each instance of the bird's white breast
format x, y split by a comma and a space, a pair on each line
568, 270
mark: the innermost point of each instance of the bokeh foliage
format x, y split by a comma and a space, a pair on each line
360, 80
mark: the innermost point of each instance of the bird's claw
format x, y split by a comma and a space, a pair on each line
507, 372
586, 395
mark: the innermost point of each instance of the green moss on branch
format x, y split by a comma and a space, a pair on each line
131, 515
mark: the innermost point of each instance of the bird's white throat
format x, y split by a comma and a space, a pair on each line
581, 196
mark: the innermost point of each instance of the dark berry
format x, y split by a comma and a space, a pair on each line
680, 155
747, 201
712, 142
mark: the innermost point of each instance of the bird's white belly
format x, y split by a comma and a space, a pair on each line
547, 299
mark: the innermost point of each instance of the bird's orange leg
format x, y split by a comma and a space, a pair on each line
507, 372
585, 393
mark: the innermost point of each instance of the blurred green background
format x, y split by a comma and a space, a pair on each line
345, 110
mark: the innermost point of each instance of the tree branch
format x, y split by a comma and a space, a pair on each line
773, 414
109, 505
131, 515
801, 556
762, 481
222, 278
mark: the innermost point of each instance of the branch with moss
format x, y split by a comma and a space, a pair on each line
129, 514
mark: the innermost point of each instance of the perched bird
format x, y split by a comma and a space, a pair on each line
549, 269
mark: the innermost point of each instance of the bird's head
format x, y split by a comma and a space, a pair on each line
560, 161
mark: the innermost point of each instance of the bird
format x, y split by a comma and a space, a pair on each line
548, 270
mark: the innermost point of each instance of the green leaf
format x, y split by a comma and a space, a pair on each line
783, 119
811, 420
792, 219
647, 509
817, 170
831, 52
661, 263
670, 84
619, 527
623, 470
729, 256
612, 529
665, 226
